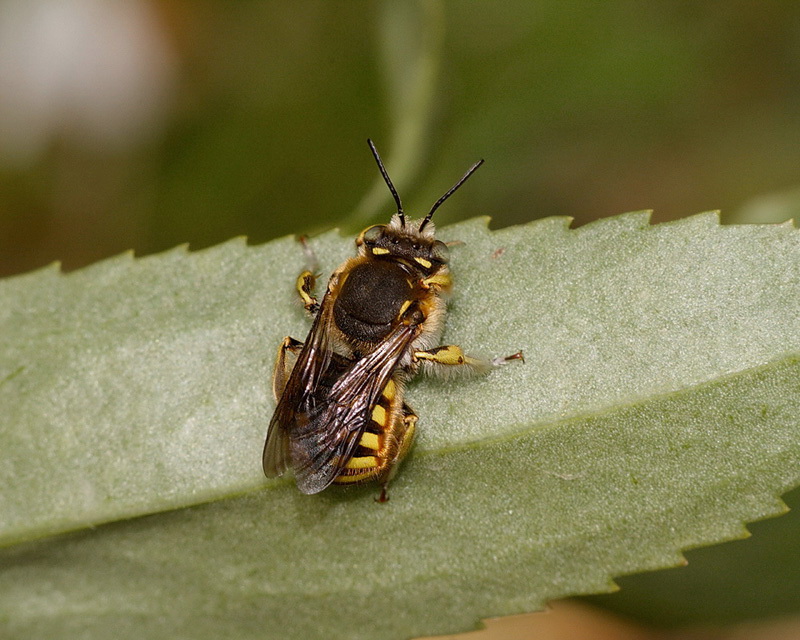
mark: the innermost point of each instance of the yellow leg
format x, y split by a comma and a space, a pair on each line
305, 288
440, 281
452, 355
284, 363
306, 281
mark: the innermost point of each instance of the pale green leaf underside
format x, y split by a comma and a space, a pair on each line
657, 410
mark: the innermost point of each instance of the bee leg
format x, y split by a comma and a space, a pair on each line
305, 288
409, 431
499, 361
452, 355
284, 363
403, 437
307, 280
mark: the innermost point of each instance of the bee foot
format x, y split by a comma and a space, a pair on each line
501, 360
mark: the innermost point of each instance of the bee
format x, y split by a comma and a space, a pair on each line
341, 416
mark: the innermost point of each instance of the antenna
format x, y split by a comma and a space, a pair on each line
388, 183
452, 190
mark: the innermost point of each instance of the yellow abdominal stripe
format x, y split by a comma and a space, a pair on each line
369, 441
365, 467
379, 415
356, 476
362, 462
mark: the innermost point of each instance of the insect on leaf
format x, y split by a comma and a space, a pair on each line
657, 410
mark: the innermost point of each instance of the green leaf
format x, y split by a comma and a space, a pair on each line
658, 410
736, 582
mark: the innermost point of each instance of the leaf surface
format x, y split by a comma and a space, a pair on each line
657, 410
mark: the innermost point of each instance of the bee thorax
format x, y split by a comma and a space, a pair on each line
371, 299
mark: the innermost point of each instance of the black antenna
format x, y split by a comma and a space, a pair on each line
388, 183
452, 190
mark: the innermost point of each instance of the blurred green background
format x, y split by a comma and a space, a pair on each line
142, 125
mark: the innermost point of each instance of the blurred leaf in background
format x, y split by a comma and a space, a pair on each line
150, 124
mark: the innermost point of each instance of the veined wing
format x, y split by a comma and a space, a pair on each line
323, 443
302, 392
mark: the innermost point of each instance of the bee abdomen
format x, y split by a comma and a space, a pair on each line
374, 436
377, 443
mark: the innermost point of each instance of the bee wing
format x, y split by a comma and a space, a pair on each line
322, 443
298, 395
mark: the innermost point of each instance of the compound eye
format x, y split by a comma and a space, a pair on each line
371, 235
440, 252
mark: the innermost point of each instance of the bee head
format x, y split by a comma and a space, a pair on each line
399, 219
404, 243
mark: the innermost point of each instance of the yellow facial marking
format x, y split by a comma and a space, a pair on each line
379, 251
362, 462
425, 263
369, 440
379, 414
